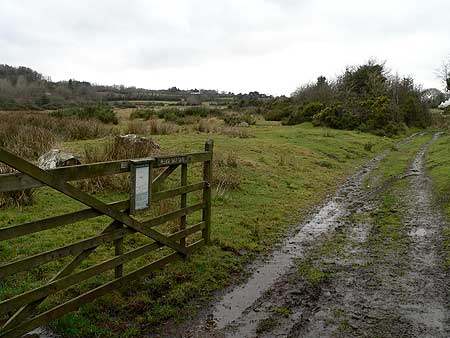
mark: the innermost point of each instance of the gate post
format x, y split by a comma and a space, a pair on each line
207, 177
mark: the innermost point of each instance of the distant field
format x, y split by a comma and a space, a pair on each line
277, 175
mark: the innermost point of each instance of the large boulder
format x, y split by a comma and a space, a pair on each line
57, 158
133, 139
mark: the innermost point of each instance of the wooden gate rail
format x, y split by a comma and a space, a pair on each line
22, 308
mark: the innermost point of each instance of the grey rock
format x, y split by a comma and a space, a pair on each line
56, 158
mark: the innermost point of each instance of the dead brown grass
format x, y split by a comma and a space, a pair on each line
136, 127
31, 134
114, 149
226, 172
159, 127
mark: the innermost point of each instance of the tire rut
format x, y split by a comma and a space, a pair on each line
372, 291
400, 293
247, 310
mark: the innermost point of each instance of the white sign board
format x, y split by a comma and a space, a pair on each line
141, 193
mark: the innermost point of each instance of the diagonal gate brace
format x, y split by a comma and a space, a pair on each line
60, 185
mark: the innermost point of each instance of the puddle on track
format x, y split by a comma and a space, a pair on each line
234, 303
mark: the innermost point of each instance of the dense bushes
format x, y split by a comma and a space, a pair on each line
335, 117
101, 113
239, 119
304, 114
365, 97
144, 114
177, 115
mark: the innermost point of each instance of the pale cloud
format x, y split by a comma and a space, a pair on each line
271, 46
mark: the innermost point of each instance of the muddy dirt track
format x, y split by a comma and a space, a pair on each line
357, 284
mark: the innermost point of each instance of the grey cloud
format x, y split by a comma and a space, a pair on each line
110, 40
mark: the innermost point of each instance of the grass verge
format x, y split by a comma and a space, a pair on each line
438, 167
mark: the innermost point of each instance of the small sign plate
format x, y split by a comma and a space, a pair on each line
142, 187
172, 160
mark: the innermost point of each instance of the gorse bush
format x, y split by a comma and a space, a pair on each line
143, 114
279, 109
237, 119
187, 115
364, 97
335, 117
304, 113
102, 113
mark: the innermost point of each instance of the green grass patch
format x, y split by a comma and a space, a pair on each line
388, 230
438, 167
281, 178
396, 162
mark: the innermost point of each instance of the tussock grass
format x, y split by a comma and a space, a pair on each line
30, 135
158, 127
226, 173
114, 149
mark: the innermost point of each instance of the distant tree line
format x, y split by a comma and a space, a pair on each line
365, 97
24, 88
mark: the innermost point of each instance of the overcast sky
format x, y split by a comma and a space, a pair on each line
271, 46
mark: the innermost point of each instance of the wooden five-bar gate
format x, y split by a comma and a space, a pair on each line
21, 310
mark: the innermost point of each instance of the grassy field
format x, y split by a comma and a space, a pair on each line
438, 166
277, 177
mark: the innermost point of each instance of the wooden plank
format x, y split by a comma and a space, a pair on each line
98, 208
162, 177
56, 221
26, 310
158, 196
164, 161
193, 247
65, 282
77, 216
207, 176
183, 200
56, 285
68, 250
69, 190
118, 251
188, 231
76, 302
15, 231
76, 248
173, 215
22, 181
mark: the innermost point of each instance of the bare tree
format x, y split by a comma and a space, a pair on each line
444, 73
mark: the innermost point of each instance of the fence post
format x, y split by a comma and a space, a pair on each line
183, 203
207, 177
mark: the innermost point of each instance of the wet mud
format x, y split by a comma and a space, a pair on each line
369, 290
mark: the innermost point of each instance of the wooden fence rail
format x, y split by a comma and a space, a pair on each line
22, 310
